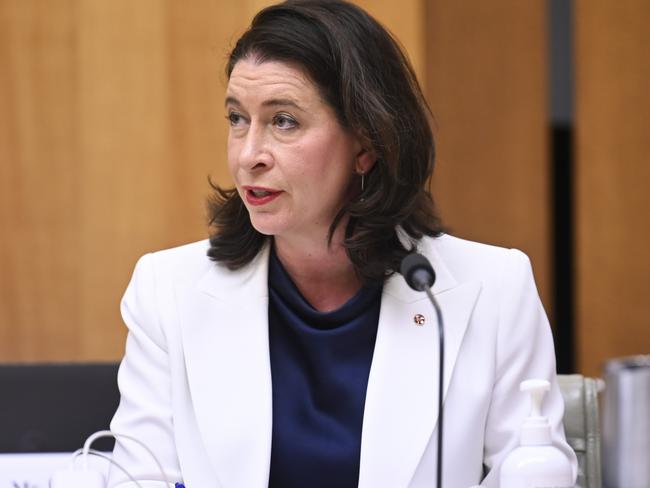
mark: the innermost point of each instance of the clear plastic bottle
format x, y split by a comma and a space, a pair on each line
536, 463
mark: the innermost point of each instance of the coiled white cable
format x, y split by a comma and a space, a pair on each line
100, 454
86, 451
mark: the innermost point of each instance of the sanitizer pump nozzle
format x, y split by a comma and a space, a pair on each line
536, 430
536, 463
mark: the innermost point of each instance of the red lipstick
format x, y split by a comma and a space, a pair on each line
257, 195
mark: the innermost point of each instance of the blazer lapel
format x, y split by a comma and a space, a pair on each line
225, 342
401, 409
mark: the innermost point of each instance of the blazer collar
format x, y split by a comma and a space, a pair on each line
249, 281
252, 280
397, 287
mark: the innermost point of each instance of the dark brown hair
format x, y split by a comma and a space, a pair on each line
363, 74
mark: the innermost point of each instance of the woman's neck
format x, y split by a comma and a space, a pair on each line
322, 272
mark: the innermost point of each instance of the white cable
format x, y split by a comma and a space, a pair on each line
108, 433
93, 452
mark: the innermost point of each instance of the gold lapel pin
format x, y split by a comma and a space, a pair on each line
419, 319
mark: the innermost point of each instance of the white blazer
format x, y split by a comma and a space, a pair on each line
196, 377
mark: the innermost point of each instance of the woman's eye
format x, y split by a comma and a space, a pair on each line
234, 118
283, 121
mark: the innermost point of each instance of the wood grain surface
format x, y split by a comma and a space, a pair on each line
487, 84
612, 176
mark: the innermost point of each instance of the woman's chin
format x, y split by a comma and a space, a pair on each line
267, 227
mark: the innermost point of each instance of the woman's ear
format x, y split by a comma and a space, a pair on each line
365, 161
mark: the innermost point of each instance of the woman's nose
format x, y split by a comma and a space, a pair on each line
255, 153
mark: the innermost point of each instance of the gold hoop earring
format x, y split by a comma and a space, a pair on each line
363, 182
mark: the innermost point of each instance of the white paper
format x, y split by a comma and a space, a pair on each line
35, 470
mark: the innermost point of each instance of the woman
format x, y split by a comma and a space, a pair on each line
287, 351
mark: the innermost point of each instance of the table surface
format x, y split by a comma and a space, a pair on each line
35, 470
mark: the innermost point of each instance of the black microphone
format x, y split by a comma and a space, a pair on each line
417, 272
419, 275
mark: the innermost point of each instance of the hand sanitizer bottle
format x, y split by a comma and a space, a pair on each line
536, 463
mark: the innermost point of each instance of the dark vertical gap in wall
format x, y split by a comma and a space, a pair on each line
563, 300
561, 132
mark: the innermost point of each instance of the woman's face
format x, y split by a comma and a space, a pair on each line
291, 160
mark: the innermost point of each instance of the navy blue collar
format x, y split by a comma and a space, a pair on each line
280, 282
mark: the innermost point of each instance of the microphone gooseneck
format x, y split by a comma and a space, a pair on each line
419, 275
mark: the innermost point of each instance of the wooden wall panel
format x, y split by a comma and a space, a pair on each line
111, 119
124, 154
39, 181
406, 21
612, 175
487, 86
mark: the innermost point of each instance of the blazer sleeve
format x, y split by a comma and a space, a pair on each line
145, 409
524, 350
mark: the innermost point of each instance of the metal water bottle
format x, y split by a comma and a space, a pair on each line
626, 423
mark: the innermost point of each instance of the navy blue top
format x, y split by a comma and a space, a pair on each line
319, 366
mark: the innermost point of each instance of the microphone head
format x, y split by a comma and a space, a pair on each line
417, 272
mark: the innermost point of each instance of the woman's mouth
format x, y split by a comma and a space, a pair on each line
260, 196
